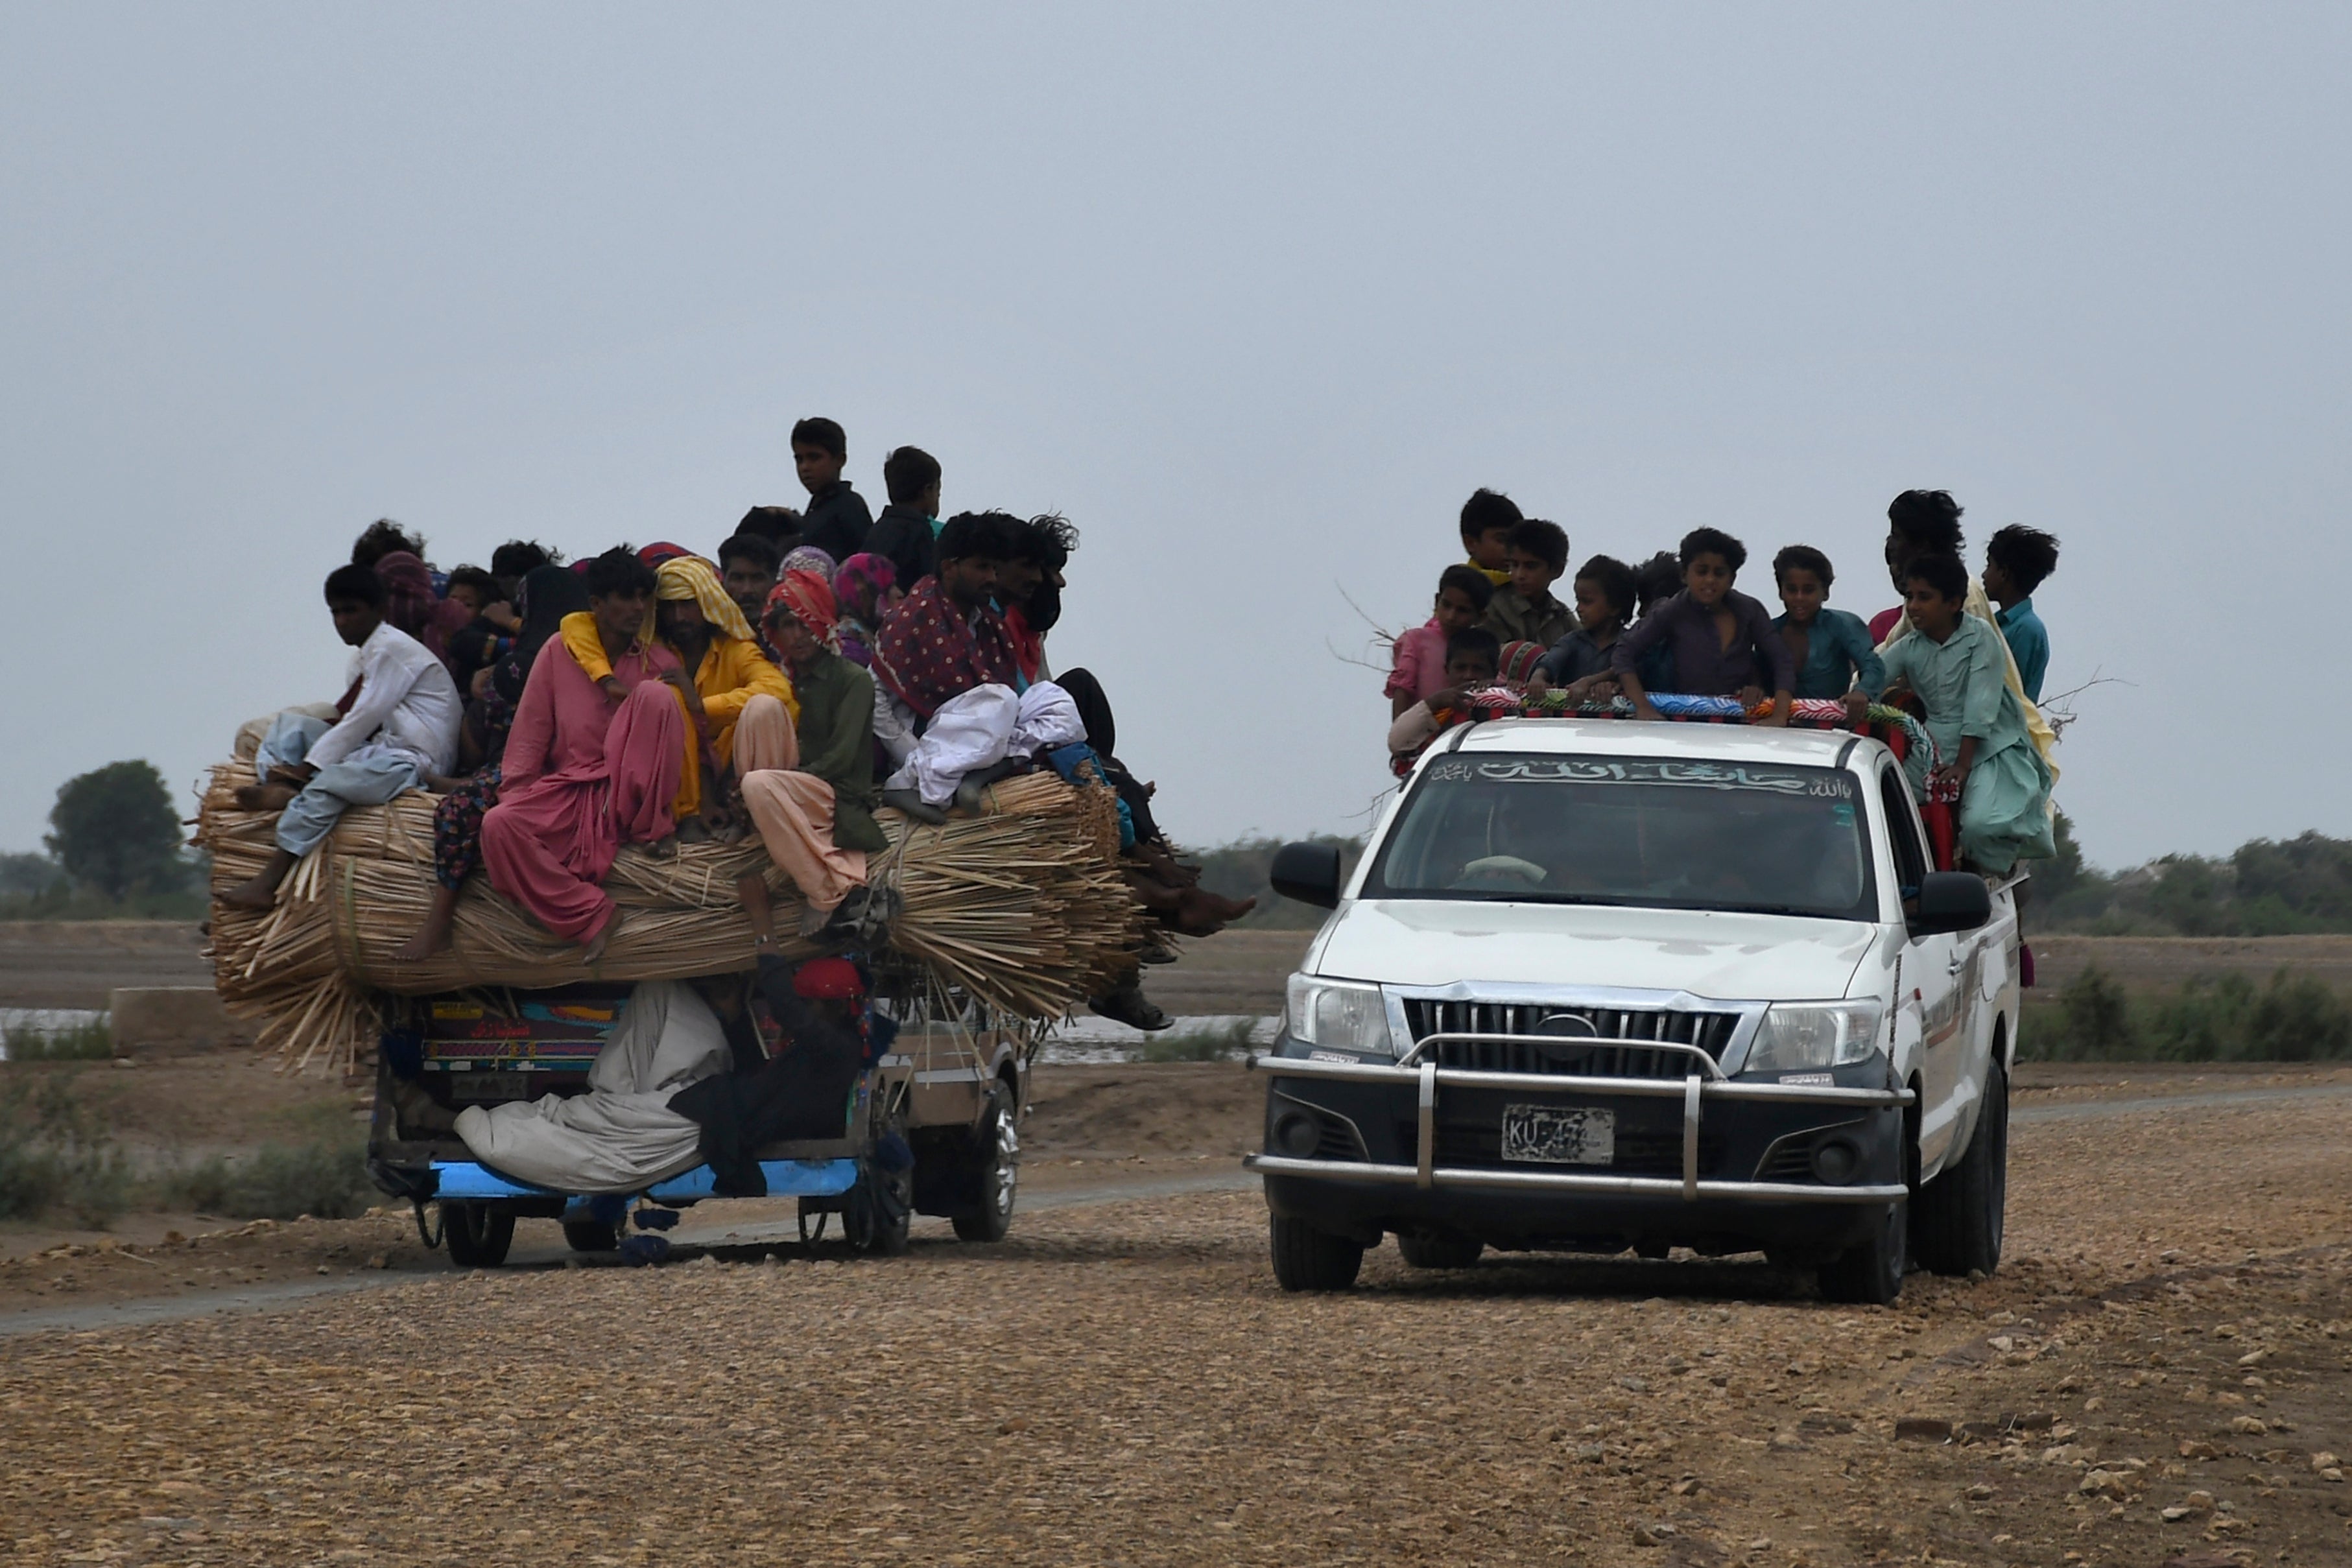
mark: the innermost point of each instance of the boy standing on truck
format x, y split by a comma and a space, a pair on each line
1956, 664
1523, 609
1605, 592
1487, 519
2018, 560
908, 531
1720, 637
837, 522
399, 722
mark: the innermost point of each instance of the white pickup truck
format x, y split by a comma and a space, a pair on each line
1599, 984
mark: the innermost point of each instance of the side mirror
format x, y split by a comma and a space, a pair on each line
1950, 901
1309, 873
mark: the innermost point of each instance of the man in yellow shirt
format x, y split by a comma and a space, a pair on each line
740, 708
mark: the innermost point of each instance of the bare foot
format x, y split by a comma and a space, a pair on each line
257, 893
663, 848
432, 938
265, 797
593, 953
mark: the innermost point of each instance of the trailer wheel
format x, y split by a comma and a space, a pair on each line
1962, 1211
995, 1171
1440, 1250
1306, 1259
479, 1233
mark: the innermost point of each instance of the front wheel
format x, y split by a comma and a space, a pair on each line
1963, 1211
1306, 1259
479, 1233
1871, 1274
995, 1167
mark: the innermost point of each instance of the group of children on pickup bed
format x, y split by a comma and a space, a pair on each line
1676, 625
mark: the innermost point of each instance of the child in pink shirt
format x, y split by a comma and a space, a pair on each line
1463, 593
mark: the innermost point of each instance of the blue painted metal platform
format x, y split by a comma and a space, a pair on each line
786, 1179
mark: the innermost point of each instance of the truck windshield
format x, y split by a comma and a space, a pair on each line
1633, 831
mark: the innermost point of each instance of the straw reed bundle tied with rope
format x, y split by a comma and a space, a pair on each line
1022, 907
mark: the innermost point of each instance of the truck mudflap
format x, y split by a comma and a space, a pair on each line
1693, 1089
786, 1178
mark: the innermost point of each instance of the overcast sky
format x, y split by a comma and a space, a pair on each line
1255, 295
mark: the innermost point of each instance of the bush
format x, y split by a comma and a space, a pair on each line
2292, 1018
325, 1177
1199, 1045
55, 1154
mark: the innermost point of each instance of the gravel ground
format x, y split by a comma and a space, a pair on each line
1124, 1384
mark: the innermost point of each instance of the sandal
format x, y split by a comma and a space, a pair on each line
1129, 1005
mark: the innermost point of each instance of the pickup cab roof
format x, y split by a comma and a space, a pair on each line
1623, 737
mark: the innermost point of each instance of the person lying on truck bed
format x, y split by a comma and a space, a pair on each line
1719, 636
585, 773
814, 802
1958, 666
399, 722
734, 699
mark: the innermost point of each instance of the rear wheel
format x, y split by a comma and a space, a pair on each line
995, 1171
1306, 1259
1872, 1273
592, 1236
1441, 1250
1962, 1211
876, 1212
479, 1233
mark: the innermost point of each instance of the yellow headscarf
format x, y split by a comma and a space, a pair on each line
691, 577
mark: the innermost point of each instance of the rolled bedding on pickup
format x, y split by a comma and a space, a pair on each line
621, 1135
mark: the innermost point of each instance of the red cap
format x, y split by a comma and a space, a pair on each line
827, 980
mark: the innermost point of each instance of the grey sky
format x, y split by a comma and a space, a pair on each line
1256, 296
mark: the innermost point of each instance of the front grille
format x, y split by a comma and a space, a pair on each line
1557, 1038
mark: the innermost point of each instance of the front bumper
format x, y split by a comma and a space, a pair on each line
1405, 1155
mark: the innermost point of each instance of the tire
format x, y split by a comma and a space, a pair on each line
876, 1212
994, 1171
1963, 1211
479, 1233
1306, 1259
1871, 1275
1446, 1249
592, 1236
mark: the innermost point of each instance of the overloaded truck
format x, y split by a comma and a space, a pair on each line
1597, 985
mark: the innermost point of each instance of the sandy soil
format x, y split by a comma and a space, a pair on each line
2165, 961
74, 964
1122, 1383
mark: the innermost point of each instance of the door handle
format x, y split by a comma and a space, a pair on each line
1959, 961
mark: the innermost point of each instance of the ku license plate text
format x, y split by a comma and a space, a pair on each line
1558, 1135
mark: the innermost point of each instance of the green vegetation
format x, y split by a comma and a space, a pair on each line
114, 854
55, 1153
2294, 1018
1239, 870
87, 1041
1199, 1045
2265, 888
325, 1177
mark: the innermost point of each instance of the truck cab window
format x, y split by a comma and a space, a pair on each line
1903, 836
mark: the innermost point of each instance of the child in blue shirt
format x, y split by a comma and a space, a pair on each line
1832, 648
2017, 561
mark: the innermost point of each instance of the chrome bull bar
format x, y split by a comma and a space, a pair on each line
1694, 1088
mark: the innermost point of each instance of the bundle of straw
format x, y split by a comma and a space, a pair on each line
1022, 907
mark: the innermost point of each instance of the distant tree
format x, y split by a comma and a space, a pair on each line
113, 829
22, 876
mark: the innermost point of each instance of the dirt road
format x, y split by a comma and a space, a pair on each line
1121, 1382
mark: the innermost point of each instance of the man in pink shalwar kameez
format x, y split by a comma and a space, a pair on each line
585, 774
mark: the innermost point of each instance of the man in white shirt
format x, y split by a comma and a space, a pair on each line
400, 722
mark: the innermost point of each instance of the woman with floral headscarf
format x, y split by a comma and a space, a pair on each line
864, 588
815, 813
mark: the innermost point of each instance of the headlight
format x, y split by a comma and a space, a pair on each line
1799, 1036
1338, 1015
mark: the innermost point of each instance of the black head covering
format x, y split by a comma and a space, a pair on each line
549, 594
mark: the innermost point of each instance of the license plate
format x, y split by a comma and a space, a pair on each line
1558, 1135
489, 1086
